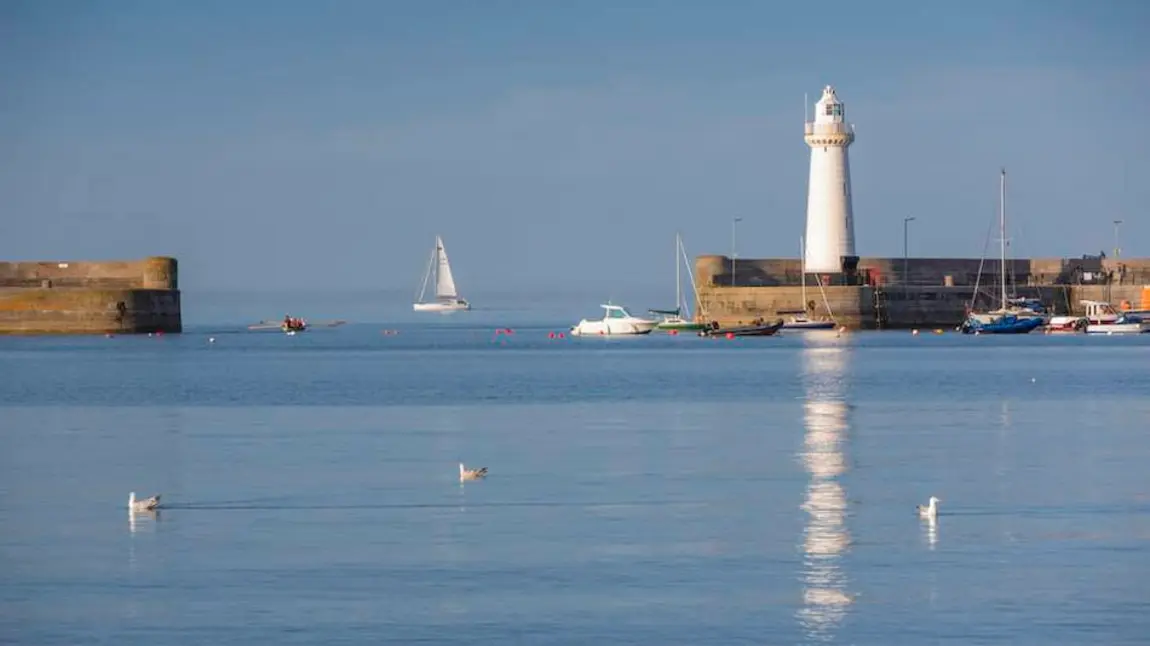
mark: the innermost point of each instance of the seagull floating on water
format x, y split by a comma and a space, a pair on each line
147, 504
471, 474
930, 511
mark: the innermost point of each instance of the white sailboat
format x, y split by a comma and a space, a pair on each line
800, 319
680, 318
446, 298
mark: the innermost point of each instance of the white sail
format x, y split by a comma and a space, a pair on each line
447, 298
444, 282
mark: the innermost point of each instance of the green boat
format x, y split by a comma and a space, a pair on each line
679, 319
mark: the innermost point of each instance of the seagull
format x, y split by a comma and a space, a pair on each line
148, 504
471, 474
930, 511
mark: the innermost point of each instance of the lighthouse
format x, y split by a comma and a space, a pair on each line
830, 222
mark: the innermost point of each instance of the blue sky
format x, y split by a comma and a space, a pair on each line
555, 144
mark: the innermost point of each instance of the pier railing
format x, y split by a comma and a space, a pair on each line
749, 277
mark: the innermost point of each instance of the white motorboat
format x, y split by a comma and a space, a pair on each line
446, 298
616, 321
1104, 319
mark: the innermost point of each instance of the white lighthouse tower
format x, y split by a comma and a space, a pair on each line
830, 221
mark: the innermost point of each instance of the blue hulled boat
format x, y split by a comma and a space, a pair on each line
1005, 324
1015, 316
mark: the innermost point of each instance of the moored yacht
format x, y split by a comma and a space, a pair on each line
616, 321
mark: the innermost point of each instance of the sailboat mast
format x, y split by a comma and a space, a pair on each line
427, 274
803, 269
678, 289
1002, 234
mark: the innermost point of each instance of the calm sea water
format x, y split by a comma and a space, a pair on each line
660, 490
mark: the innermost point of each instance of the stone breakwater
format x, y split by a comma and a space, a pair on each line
890, 293
90, 297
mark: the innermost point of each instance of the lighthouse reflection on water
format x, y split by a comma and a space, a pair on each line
825, 537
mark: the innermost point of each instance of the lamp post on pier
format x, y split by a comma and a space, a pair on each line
734, 253
906, 249
1117, 247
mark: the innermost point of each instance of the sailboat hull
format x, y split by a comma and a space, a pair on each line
668, 325
447, 306
809, 325
1008, 324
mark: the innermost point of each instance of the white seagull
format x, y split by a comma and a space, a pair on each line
930, 511
471, 474
147, 504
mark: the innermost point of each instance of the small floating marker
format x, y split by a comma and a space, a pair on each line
211, 339
108, 335
938, 331
562, 336
149, 334
550, 335
674, 332
730, 335
1033, 380
914, 332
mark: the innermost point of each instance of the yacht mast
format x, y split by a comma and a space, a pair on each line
803, 270
1002, 235
678, 289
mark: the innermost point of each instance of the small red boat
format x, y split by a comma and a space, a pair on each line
1067, 325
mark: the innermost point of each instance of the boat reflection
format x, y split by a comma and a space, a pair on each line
825, 538
142, 520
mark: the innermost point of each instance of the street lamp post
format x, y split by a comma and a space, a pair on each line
905, 249
734, 254
1117, 247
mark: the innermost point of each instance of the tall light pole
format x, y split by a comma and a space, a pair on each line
1117, 248
905, 249
734, 254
